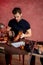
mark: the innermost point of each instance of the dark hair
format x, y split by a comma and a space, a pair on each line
16, 9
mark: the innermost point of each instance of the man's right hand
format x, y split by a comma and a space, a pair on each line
8, 28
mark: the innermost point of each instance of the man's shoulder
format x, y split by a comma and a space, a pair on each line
25, 21
12, 20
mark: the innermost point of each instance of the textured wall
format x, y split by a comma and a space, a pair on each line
32, 11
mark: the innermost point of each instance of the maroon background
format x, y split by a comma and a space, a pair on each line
32, 11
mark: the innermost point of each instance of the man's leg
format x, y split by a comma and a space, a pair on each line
41, 59
32, 62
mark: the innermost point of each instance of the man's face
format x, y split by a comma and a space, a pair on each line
18, 16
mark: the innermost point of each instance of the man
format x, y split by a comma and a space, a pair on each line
18, 24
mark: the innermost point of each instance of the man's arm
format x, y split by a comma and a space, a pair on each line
18, 36
22, 35
27, 34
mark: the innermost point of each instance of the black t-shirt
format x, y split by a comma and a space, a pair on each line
18, 26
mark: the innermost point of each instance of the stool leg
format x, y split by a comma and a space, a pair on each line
10, 59
23, 59
19, 58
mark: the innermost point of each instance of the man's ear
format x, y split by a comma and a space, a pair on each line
21, 14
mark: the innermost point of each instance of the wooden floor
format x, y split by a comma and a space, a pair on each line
15, 60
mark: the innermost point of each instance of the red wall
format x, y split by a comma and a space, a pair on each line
32, 11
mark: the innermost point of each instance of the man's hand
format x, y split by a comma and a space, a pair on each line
8, 29
22, 35
10, 33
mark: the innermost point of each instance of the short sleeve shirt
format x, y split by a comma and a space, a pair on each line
17, 26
